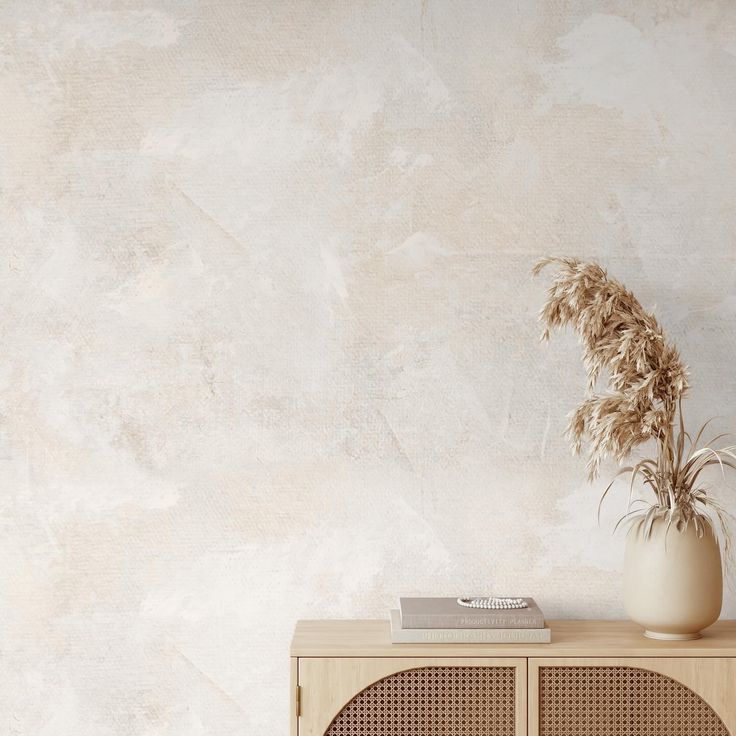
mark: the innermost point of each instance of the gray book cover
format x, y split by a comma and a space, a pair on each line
400, 635
447, 613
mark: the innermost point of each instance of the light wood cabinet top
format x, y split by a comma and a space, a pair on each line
371, 638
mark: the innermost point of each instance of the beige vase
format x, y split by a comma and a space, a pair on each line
673, 582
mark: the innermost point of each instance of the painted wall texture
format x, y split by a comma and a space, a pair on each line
269, 347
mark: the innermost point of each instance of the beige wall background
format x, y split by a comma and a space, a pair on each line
269, 347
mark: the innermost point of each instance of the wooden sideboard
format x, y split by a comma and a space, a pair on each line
596, 678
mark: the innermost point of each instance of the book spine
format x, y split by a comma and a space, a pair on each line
468, 621
471, 636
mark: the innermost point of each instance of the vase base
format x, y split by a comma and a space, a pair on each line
671, 637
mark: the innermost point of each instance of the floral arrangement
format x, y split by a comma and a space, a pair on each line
646, 383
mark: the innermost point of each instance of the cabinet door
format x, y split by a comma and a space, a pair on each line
413, 696
632, 696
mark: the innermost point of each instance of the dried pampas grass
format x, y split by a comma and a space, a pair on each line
645, 374
646, 383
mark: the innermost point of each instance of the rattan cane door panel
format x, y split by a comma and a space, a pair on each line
412, 697
632, 697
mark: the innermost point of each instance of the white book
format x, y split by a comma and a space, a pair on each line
466, 636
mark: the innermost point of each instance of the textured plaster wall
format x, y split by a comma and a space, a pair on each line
269, 346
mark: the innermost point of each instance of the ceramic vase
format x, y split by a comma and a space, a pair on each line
673, 581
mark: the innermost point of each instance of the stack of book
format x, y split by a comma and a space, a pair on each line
444, 620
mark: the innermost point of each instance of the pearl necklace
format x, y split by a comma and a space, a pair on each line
492, 602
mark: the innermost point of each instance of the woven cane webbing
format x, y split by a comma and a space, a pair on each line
620, 701
433, 701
